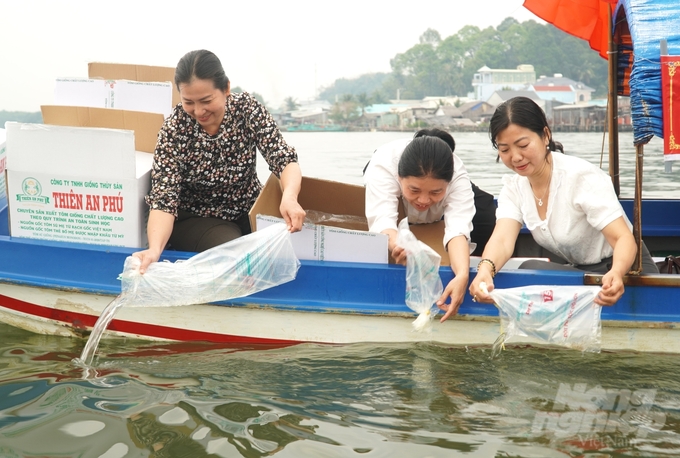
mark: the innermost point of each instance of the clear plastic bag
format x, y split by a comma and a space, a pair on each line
561, 315
239, 268
329, 219
423, 283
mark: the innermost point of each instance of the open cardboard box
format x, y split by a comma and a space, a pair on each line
339, 240
144, 125
133, 72
345, 239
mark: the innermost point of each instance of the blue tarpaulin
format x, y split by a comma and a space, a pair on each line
639, 28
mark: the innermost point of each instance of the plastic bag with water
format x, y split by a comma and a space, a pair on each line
560, 315
239, 268
423, 283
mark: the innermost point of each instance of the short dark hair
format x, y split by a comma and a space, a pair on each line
427, 156
201, 64
523, 112
434, 132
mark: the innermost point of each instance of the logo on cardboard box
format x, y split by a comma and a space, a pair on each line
32, 192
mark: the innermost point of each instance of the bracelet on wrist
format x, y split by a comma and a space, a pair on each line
491, 263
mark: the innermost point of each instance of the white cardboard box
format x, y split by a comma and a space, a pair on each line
3, 166
150, 97
77, 184
328, 243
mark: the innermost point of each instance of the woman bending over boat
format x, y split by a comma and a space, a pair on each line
567, 203
204, 178
433, 184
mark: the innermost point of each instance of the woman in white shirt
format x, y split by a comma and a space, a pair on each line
433, 185
568, 204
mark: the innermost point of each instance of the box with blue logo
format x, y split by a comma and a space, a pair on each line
77, 184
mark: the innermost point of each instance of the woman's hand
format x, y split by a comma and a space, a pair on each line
399, 255
621, 239
612, 289
291, 183
456, 291
292, 213
478, 295
146, 257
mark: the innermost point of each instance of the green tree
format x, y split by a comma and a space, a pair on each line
378, 97
363, 101
345, 111
437, 66
291, 104
368, 83
458, 57
255, 95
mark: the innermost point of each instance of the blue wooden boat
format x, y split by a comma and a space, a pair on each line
60, 288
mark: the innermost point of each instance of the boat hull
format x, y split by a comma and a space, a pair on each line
61, 288
73, 314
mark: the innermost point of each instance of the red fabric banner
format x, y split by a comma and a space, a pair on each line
670, 95
585, 19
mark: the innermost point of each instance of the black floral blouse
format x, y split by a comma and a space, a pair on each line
215, 175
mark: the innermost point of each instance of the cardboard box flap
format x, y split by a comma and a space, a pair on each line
135, 73
144, 125
267, 202
329, 197
338, 199
433, 236
333, 197
152, 97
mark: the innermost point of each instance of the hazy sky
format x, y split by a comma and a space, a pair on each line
275, 48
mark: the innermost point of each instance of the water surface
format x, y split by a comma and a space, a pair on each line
412, 400
431, 400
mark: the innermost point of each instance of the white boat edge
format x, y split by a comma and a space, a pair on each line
269, 325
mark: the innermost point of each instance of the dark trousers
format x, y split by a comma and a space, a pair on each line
648, 264
484, 220
198, 233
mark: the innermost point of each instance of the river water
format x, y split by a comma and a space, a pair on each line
412, 400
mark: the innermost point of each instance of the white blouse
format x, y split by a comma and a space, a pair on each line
383, 193
582, 202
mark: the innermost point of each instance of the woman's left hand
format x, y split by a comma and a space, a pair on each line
612, 289
456, 291
292, 213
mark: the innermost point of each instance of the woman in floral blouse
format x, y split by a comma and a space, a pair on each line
204, 179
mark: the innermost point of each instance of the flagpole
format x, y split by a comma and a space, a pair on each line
613, 114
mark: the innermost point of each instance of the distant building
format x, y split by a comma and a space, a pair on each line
477, 111
448, 110
546, 105
487, 80
315, 115
499, 97
562, 89
382, 115
307, 112
443, 100
588, 116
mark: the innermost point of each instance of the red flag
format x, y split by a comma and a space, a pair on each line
670, 97
585, 19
